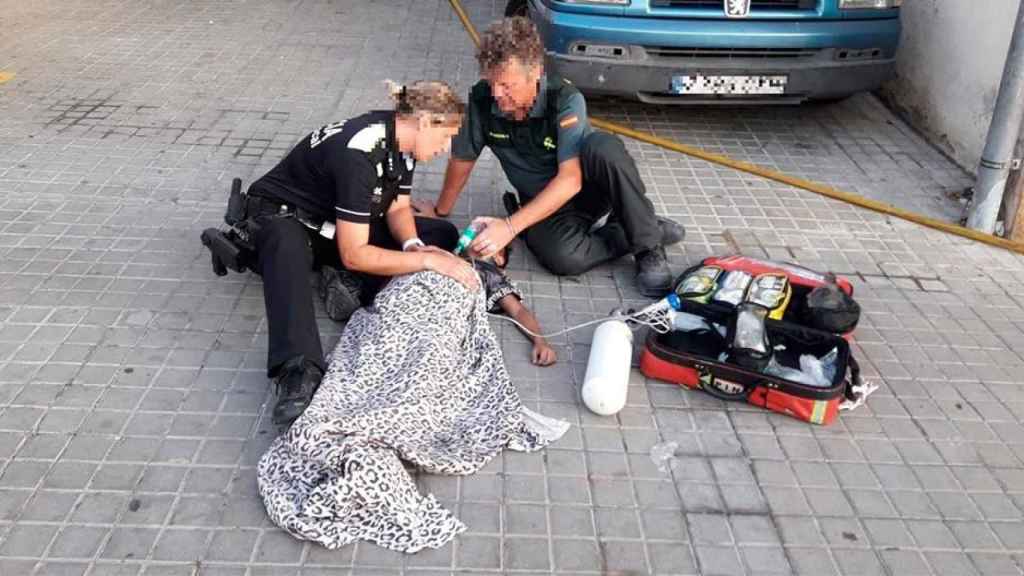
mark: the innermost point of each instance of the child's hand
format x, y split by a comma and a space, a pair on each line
543, 355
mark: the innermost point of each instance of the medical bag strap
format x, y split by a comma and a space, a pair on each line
853, 383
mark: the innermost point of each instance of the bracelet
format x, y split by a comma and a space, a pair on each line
511, 228
412, 242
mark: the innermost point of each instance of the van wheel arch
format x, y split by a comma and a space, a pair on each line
517, 8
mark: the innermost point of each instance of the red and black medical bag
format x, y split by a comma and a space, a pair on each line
695, 359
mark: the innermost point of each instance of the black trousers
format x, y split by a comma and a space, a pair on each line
564, 243
286, 253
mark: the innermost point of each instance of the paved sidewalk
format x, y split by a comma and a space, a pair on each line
133, 404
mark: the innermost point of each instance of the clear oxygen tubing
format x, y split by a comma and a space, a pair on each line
656, 316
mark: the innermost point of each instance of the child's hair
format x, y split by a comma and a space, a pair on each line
433, 98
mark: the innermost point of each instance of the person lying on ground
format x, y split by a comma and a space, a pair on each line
502, 296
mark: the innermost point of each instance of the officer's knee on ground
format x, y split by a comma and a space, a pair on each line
436, 232
446, 237
602, 146
560, 261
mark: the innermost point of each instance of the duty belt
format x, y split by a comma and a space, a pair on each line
257, 206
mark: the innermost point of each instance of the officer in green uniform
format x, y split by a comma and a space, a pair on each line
582, 200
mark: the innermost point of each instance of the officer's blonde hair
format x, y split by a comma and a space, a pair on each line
432, 98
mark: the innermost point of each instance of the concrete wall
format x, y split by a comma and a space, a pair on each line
949, 66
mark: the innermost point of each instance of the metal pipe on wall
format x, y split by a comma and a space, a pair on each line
994, 168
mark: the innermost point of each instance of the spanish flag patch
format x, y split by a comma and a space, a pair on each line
568, 121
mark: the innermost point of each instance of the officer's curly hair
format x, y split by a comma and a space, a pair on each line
507, 39
428, 97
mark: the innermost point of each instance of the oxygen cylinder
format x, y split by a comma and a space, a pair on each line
606, 381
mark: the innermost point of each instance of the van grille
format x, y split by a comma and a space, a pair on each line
766, 53
754, 4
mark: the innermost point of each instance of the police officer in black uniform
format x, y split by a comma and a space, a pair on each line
583, 202
339, 201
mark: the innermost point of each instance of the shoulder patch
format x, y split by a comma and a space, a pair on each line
368, 138
325, 132
568, 121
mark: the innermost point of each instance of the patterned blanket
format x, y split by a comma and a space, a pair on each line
418, 377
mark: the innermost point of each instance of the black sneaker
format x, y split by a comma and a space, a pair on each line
340, 290
672, 232
294, 387
652, 273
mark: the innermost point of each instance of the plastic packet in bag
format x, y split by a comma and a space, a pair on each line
786, 373
813, 369
733, 287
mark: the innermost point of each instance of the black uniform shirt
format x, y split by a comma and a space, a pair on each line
350, 171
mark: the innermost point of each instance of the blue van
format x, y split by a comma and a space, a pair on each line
718, 51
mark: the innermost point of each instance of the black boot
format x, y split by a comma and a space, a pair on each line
294, 386
340, 290
652, 273
672, 232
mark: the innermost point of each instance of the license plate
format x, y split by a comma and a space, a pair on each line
733, 84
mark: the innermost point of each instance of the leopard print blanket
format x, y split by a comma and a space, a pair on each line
417, 377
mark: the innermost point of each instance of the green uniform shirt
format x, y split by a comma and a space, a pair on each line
529, 150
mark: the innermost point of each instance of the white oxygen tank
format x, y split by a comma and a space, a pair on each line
607, 379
